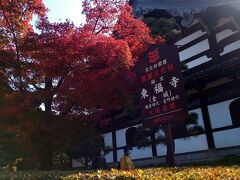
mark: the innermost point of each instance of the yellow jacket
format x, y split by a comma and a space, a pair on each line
126, 163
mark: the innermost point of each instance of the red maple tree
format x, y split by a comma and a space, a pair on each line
76, 73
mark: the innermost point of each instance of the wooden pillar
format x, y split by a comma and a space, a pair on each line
170, 161
153, 142
213, 45
114, 142
206, 120
214, 52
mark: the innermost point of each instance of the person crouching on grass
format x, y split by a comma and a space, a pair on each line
126, 162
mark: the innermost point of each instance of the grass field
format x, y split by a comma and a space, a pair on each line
178, 173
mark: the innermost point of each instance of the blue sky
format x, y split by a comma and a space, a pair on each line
60, 10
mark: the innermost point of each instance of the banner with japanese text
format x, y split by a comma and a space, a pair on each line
161, 88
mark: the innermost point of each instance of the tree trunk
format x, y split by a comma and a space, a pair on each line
47, 153
70, 160
49, 97
46, 161
86, 162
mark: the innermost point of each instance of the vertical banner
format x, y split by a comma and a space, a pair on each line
160, 86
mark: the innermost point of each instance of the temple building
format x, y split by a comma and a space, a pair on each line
209, 50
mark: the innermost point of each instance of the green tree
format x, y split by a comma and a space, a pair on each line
167, 28
142, 137
10, 150
88, 149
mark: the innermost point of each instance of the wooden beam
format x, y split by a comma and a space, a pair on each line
204, 53
114, 142
228, 40
225, 23
193, 42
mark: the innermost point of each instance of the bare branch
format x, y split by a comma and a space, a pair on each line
99, 15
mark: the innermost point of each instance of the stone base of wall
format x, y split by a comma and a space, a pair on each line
187, 158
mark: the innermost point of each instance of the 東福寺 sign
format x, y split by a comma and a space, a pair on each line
161, 89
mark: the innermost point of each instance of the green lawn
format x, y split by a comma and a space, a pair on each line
220, 173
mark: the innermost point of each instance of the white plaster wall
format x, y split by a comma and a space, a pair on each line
108, 139
198, 61
161, 150
141, 153
204, 45
196, 49
119, 154
231, 47
109, 157
196, 143
136, 153
223, 34
200, 118
121, 137
76, 163
220, 114
189, 38
227, 138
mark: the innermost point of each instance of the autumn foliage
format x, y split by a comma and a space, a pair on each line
75, 73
